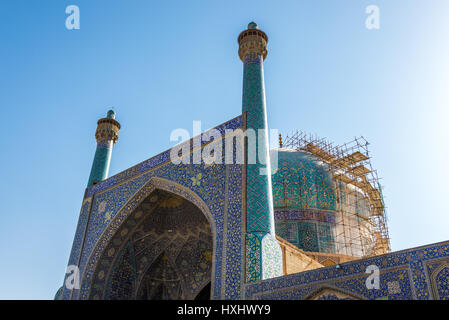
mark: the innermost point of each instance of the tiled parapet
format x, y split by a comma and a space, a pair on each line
412, 274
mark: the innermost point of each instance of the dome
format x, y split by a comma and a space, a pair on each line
304, 200
301, 181
305, 206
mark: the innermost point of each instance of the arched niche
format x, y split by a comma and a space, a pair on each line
163, 249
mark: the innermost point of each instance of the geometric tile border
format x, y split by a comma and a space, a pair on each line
403, 276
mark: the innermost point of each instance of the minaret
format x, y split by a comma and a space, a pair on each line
106, 135
263, 254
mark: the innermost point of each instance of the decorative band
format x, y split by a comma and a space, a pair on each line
253, 58
104, 145
304, 214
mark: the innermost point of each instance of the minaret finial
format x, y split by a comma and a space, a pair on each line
252, 25
111, 114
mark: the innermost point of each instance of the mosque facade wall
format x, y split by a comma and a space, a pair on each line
217, 189
420, 273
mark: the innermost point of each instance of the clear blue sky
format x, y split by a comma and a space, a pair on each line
162, 64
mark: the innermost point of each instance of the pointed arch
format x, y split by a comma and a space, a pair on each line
154, 183
439, 281
332, 293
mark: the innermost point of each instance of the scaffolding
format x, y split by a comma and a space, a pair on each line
361, 221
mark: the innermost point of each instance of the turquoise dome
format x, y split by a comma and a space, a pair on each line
304, 200
301, 181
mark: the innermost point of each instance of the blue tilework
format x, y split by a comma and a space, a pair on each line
77, 242
271, 253
234, 229
155, 161
219, 186
301, 182
259, 197
440, 282
100, 165
259, 217
304, 215
402, 277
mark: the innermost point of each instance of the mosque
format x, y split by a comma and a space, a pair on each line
304, 221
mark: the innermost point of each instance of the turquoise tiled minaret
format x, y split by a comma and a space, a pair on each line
106, 135
263, 254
